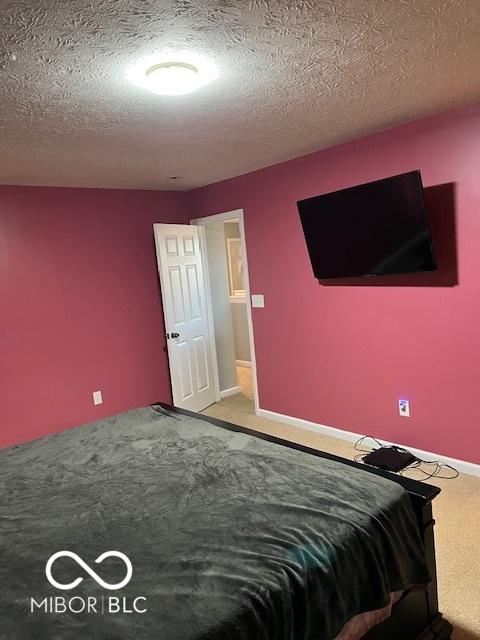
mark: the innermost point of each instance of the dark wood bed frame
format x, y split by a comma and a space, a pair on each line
415, 616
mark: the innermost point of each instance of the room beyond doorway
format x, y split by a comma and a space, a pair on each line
244, 379
226, 268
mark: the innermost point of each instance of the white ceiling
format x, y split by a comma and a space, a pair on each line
294, 77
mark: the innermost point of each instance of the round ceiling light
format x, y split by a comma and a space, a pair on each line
173, 74
173, 78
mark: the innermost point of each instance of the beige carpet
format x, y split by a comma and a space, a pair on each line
456, 511
244, 379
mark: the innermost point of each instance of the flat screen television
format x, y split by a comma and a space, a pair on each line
369, 230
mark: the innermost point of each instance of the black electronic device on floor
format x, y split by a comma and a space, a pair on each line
389, 458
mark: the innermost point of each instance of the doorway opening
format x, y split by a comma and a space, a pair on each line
226, 269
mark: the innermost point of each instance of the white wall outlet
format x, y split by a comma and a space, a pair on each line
258, 300
97, 397
404, 408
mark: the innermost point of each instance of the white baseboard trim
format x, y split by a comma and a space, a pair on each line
461, 465
243, 363
229, 392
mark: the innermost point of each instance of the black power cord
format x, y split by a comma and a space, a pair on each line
414, 466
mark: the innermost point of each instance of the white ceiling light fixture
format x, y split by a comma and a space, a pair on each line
173, 73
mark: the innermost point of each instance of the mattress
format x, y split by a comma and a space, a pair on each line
224, 535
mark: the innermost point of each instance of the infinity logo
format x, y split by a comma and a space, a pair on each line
85, 567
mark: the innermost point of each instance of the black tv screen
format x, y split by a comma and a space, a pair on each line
369, 230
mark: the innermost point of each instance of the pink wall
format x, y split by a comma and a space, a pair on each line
80, 301
342, 355
80, 305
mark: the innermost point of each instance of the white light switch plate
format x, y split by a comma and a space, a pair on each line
97, 397
258, 300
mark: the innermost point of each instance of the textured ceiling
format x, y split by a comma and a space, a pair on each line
294, 77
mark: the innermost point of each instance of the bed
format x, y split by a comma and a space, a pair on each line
230, 534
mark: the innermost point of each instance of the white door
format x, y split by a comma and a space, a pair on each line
182, 281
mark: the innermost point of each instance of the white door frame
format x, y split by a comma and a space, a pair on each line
236, 214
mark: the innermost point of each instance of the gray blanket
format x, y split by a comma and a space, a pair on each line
229, 537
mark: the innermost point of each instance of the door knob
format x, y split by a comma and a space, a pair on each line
174, 335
